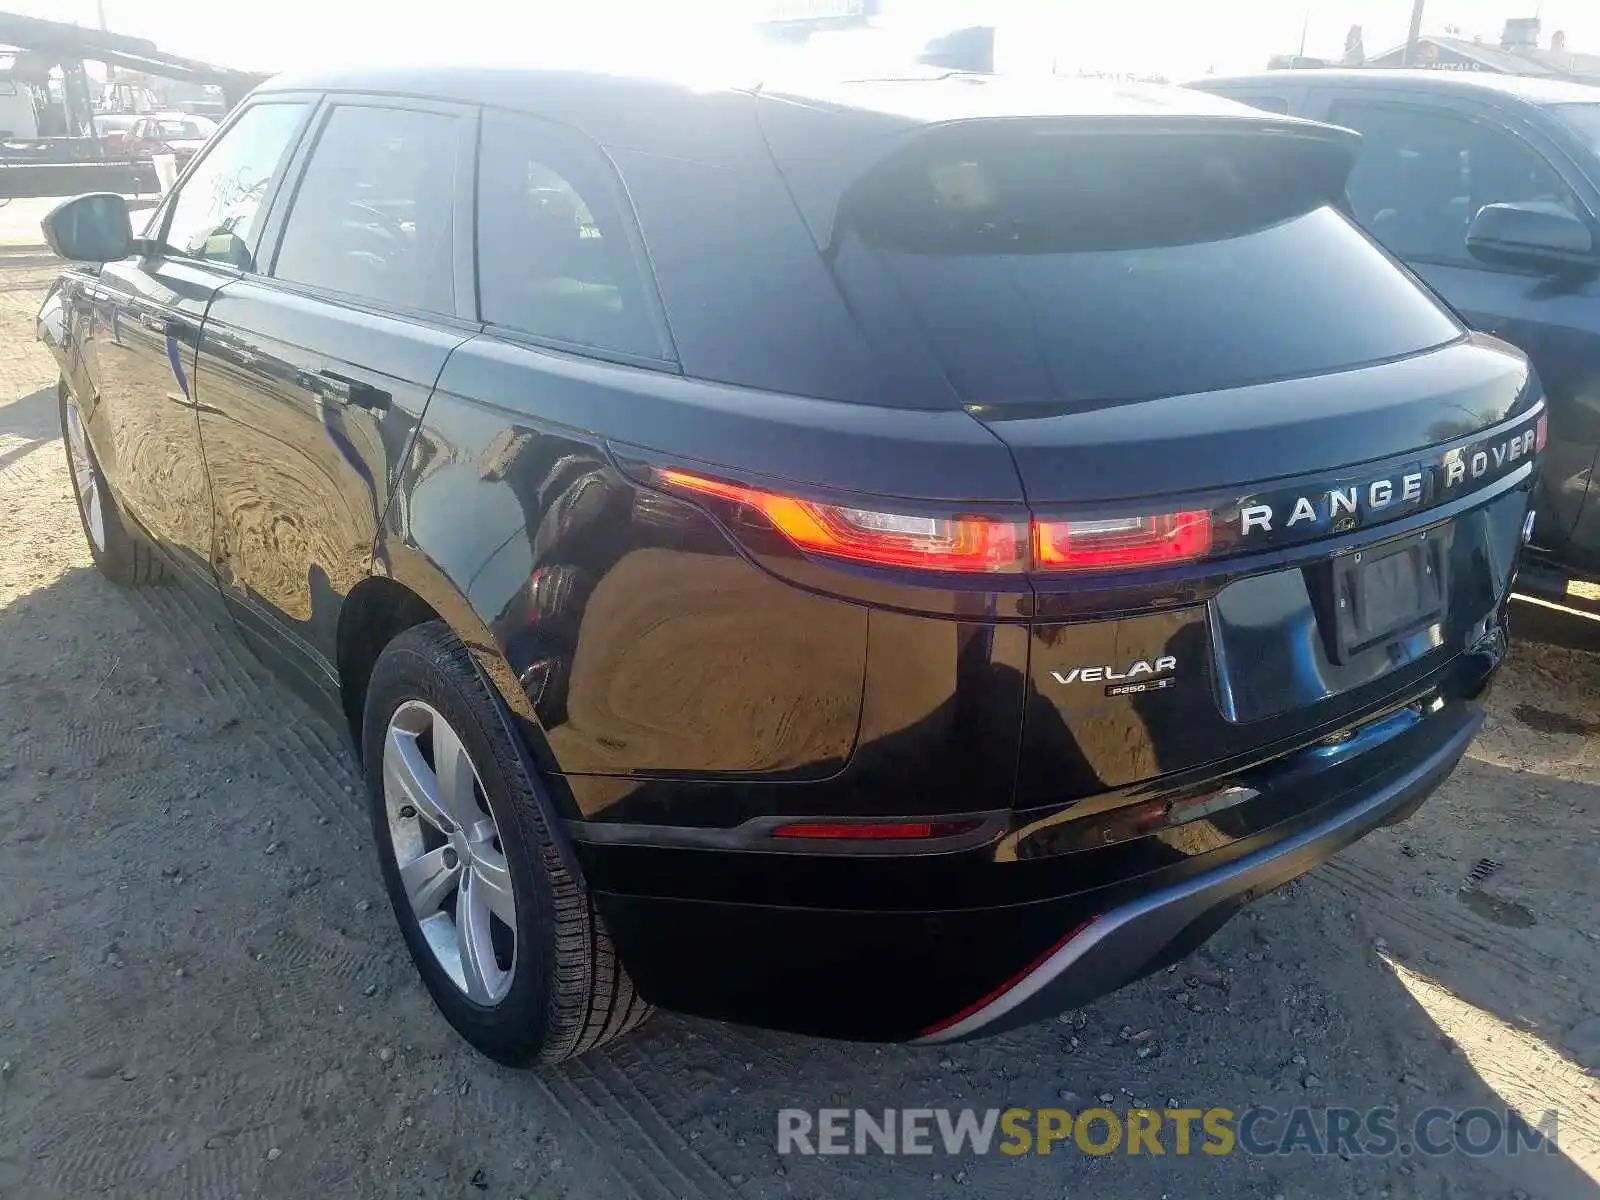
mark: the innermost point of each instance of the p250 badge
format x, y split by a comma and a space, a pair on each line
1141, 676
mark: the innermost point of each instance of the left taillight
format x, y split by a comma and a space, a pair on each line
956, 543
963, 543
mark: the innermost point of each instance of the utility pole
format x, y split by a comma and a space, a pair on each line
100, 11
1416, 32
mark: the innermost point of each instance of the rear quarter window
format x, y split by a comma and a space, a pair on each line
555, 257
1089, 271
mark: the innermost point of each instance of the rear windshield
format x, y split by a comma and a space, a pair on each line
1090, 271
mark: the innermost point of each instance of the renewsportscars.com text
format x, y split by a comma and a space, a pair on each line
1257, 1130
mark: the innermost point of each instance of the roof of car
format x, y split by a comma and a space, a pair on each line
609, 104
1517, 87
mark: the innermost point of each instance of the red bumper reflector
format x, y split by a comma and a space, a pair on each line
875, 830
990, 997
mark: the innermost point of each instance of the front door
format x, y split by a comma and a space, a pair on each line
1422, 175
314, 376
149, 312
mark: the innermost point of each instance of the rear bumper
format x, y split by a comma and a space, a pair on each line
1133, 939
944, 946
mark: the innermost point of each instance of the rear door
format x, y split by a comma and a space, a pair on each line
317, 370
147, 317
1425, 169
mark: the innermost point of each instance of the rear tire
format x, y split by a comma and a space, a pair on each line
122, 557
543, 986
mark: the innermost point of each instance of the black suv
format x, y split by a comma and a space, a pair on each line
891, 560
1488, 187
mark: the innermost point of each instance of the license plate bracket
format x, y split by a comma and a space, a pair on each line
1384, 592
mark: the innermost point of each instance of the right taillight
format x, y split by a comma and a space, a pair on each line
1098, 545
1541, 432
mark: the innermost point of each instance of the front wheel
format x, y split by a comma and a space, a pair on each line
122, 557
506, 940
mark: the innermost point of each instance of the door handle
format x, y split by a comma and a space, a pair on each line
342, 388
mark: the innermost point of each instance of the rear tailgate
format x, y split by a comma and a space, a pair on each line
1220, 397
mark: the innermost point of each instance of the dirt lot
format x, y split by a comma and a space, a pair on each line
202, 992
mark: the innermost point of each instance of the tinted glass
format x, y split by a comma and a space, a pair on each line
1422, 176
1583, 120
214, 216
554, 258
374, 214
1088, 273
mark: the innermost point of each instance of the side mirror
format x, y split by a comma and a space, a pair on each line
93, 228
1530, 235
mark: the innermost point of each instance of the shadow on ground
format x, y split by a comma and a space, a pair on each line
202, 992
198, 969
1573, 630
33, 419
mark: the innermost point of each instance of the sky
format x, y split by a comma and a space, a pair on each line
1176, 38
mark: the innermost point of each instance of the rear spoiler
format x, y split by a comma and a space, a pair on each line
822, 157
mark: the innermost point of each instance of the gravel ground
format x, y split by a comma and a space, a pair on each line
202, 992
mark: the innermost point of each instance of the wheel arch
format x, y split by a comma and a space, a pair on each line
376, 611
413, 591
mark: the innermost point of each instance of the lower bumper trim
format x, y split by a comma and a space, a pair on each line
1126, 942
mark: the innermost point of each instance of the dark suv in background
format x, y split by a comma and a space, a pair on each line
888, 559
1488, 187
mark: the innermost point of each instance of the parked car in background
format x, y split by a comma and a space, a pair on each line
115, 131
178, 134
1488, 187
890, 560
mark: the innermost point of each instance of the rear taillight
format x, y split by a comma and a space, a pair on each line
869, 536
1121, 541
964, 543
1541, 432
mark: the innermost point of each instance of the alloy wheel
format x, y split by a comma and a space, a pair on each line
447, 847
88, 481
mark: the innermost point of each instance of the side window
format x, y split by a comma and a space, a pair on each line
554, 258
214, 215
374, 216
1423, 175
